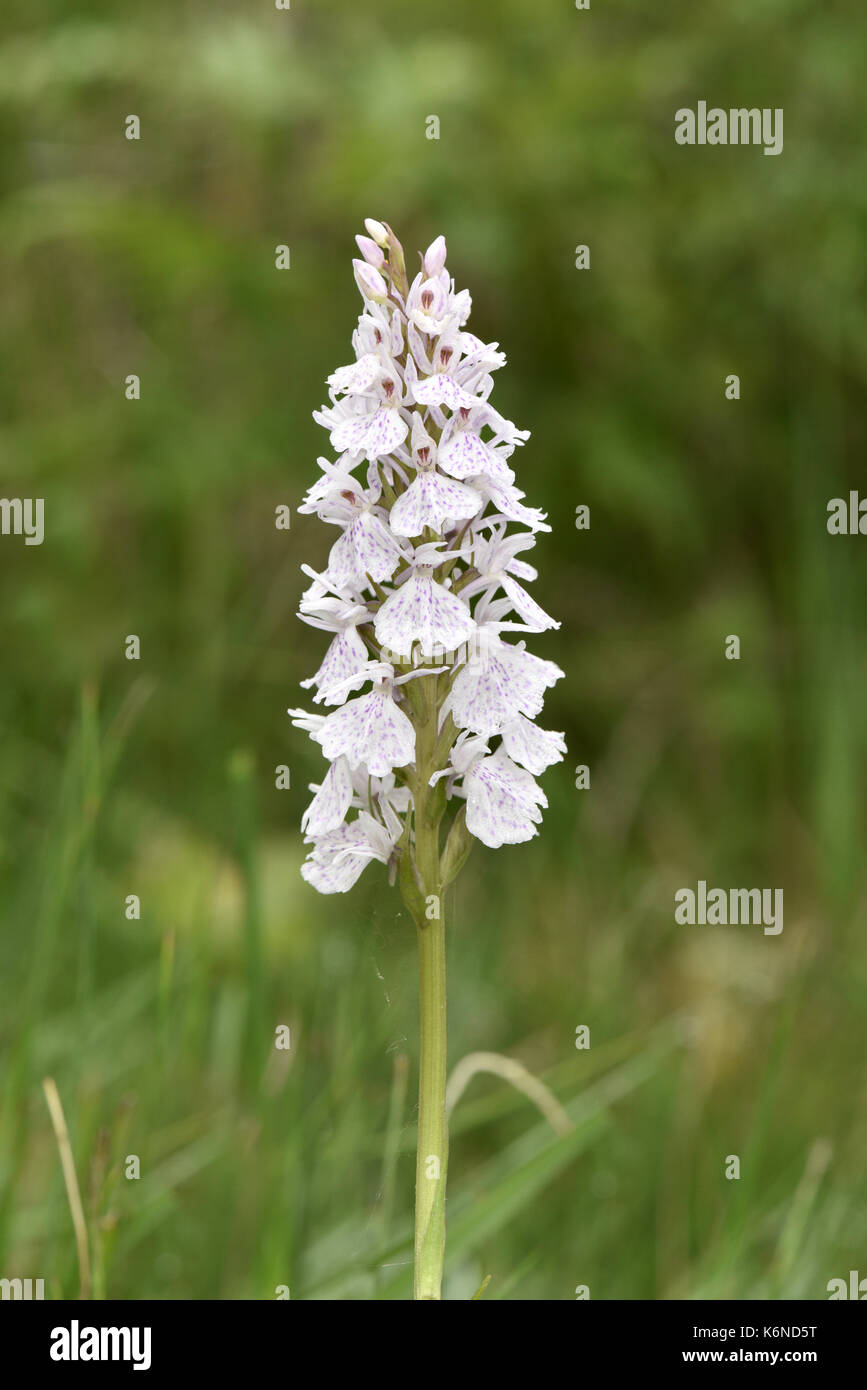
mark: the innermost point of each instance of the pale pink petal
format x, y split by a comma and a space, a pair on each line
532, 747
526, 607
522, 569
502, 802
465, 455
498, 685
331, 802
435, 256
430, 500
346, 655
443, 390
328, 868
423, 611
371, 435
371, 730
365, 547
358, 378
507, 500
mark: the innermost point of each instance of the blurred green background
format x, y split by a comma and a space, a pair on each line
258, 128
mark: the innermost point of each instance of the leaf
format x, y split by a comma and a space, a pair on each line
457, 848
501, 1189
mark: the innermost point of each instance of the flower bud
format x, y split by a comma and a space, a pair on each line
435, 257
370, 282
377, 231
370, 251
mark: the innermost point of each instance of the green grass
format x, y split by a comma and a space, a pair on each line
261, 1167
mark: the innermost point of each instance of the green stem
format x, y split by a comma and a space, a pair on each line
422, 886
432, 1152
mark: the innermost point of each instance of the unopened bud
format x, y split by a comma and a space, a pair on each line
435, 257
370, 282
377, 231
370, 251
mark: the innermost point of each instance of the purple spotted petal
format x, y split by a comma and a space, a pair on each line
497, 686
371, 730
443, 390
371, 435
534, 748
365, 547
423, 611
331, 802
465, 455
431, 500
526, 607
502, 802
346, 655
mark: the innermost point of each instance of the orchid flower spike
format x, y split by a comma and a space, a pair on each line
425, 546
432, 696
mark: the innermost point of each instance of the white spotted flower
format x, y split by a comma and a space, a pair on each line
429, 694
424, 595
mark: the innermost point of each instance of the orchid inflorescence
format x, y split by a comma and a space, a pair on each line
423, 584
